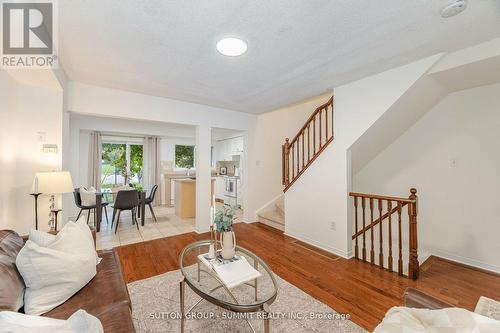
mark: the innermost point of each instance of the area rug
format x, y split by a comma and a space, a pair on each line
155, 308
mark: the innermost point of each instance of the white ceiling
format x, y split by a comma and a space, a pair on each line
296, 48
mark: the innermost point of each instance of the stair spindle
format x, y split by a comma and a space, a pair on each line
381, 238
326, 123
400, 242
320, 128
333, 122
308, 142
363, 205
356, 227
298, 156
389, 221
303, 149
372, 250
314, 135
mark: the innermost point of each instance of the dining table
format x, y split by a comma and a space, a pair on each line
99, 201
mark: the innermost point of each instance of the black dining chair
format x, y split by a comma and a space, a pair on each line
78, 203
125, 200
149, 200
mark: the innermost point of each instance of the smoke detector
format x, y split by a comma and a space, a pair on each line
453, 7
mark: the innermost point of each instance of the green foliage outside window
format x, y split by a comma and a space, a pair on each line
136, 161
184, 156
114, 161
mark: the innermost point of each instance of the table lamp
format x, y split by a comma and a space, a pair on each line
57, 182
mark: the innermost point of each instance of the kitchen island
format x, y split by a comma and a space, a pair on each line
185, 197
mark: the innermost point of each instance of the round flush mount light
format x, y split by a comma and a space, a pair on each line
232, 47
453, 7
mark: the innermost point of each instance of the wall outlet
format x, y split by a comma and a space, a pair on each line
333, 225
41, 136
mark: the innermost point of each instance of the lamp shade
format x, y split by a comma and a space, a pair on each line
53, 182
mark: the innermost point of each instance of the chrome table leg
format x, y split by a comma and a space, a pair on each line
182, 286
267, 323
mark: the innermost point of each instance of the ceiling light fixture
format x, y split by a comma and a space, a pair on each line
232, 47
453, 7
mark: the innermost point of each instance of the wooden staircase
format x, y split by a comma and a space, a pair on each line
274, 217
308, 144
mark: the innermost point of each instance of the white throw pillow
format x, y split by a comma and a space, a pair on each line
41, 238
79, 322
88, 196
54, 273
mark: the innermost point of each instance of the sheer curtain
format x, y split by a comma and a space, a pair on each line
95, 157
151, 166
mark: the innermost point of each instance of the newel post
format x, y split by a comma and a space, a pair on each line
285, 162
413, 265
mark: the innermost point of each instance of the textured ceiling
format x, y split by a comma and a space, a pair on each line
296, 49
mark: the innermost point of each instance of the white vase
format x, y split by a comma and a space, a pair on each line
228, 241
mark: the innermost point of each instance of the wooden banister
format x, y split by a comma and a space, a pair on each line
374, 223
295, 158
391, 205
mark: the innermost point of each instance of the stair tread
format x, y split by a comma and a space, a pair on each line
280, 205
273, 215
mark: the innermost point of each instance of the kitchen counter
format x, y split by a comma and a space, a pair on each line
185, 196
168, 179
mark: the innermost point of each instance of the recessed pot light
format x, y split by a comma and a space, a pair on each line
232, 47
453, 7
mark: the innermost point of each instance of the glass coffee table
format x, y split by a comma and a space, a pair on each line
253, 296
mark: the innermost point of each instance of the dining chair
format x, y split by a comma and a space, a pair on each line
78, 203
125, 200
149, 200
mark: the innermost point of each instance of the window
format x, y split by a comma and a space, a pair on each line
184, 156
121, 164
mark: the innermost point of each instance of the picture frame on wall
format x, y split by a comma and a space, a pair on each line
223, 170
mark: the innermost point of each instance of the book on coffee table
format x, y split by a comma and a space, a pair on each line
232, 272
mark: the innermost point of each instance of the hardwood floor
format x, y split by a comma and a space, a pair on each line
348, 286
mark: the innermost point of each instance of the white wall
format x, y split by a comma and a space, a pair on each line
269, 135
25, 111
451, 156
8, 110
317, 206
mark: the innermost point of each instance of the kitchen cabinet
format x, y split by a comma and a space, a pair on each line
237, 145
220, 184
225, 149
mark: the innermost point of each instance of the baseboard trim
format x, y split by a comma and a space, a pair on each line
472, 263
324, 247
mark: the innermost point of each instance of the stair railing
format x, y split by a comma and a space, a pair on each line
299, 153
383, 208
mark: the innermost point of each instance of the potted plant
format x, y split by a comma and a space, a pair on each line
223, 220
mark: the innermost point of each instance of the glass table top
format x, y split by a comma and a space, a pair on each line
250, 296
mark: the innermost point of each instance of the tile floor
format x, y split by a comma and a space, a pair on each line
168, 224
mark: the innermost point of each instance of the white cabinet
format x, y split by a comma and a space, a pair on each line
225, 149
219, 187
237, 145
